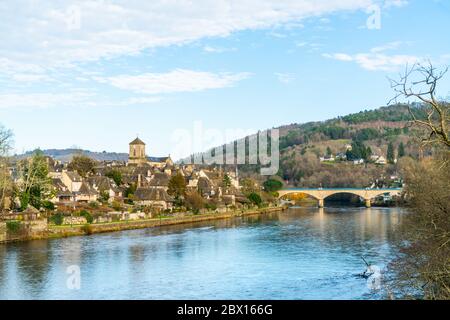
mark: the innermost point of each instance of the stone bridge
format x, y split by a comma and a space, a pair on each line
321, 194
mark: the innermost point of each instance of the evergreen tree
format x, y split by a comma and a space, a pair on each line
390, 153
401, 150
273, 185
358, 151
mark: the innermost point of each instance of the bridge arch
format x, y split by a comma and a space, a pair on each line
322, 194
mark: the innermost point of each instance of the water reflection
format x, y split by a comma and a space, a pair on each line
297, 254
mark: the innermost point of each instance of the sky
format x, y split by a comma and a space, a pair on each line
96, 74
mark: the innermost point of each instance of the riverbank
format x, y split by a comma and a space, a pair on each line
52, 231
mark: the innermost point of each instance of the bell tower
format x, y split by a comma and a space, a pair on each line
137, 152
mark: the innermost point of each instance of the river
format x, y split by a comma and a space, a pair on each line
297, 254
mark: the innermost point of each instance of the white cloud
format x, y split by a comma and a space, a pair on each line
395, 3
65, 32
30, 77
377, 59
44, 100
389, 46
72, 99
210, 49
285, 78
178, 80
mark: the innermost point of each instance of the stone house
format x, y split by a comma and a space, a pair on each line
72, 180
153, 197
103, 184
86, 193
159, 180
379, 160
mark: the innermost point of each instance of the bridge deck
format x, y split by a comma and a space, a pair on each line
322, 193
339, 189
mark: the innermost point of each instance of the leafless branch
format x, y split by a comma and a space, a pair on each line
419, 82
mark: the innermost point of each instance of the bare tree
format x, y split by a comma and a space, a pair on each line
5, 179
5, 141
422, 269
420, 82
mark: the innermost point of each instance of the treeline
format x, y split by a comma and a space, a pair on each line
343, 127
333, 132
395, 113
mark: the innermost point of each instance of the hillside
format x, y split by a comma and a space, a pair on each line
368, 132
65, 155
372, 131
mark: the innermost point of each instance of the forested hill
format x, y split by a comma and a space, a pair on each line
364, 135
384, 132
365, 125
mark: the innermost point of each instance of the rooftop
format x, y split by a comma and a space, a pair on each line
137, 141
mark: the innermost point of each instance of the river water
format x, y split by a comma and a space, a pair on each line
297, 254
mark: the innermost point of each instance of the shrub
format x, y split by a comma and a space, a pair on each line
273, 185
211, 206
48, 205
116, 205
57, 219
255, 199
87, 215
13, 226
104, 196
24, 200
93, 204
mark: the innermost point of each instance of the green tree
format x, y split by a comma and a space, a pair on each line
273, 185
104, 196
82, 164
129, 193
401, 150
35, 185
116, 175
255, 199
177, 186
358, 151
329, 152
390, 153
87, 215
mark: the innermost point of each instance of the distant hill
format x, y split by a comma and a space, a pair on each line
65, 155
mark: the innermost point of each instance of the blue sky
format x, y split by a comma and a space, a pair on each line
94, 74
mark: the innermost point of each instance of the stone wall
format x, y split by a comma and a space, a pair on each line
2, 232
28, 230
74, 220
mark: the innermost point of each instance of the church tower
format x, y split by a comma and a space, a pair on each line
137, 152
